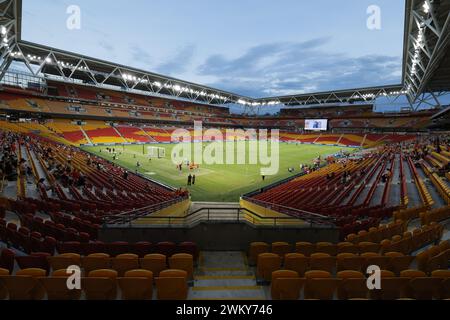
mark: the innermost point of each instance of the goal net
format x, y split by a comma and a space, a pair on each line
156, 152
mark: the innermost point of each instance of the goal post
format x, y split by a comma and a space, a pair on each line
156, 152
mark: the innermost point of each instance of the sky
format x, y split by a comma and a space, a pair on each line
256, 48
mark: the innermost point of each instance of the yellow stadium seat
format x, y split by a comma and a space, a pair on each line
125, 262
326, 247
347, 247
305, 248
349, 261
353, 285
137, 285
56, 288
154, 263
95, 261
100, 285
296, 262
3, 291
257, 248
281, 248
25, 284
172, 285
369, 247
267, 263
425, 288
64, 261
322, 261
279, 291
183, 261
391, 288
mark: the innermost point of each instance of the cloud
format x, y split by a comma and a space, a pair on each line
140, 55
106, 46
179, 62
285, 68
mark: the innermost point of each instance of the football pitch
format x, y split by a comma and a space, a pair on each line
214, 182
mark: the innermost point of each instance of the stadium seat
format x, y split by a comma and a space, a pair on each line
347, 247
440, 261
392, 288
305, 248
3, 290
424, 288
117, 248
141, 248
319, 285
349, 261
172, 285
125, 262
34, 261
353, 285
25, 284
137, 285
95, 261
94, 247
368, 247
155, 263
322, 261
374, 259
70, 247
166, 248
100, 285
285, 290
65, 260
296, 262
398, 262
266, 264
183, 261
56, 287
189, 248
326, 247
281, 248
443, 291
7, 260
256, 248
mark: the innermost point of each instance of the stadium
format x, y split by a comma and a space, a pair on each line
149, 187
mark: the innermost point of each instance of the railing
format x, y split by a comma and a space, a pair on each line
293, 212
219, 215
129, 216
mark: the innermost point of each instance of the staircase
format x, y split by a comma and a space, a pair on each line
363, 141
149, 136
85, 135
119, 134
225, 276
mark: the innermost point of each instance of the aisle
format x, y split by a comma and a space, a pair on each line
225, 276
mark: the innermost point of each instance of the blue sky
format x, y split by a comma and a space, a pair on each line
253, 47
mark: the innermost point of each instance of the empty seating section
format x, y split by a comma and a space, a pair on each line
68, 131
133, 134
158, 135
117, 274
101, 133
324, 191
322, 285
328, 271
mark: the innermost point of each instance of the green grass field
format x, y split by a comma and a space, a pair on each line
218, 182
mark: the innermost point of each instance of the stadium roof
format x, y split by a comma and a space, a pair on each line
426, 65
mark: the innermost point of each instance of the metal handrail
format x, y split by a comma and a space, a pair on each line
236, 215
302, 213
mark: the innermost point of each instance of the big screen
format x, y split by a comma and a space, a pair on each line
316, 125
